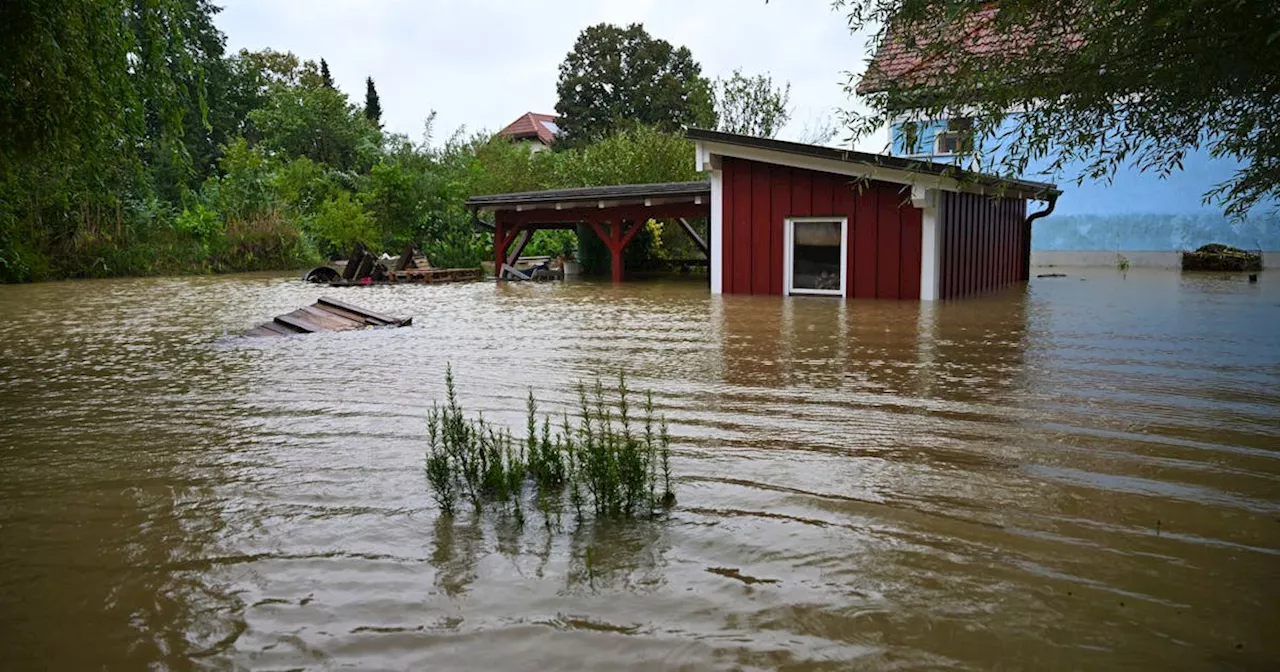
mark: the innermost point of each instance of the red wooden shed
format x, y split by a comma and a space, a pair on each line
789, 218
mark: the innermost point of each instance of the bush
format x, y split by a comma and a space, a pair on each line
608, 460
200, 222
339, 224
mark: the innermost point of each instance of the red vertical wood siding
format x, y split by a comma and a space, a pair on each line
883, 239
761, 236
983, 243
729, 166
822, 190
741, 257
889, 236
866, 212
780, 203
801, 193
912, 234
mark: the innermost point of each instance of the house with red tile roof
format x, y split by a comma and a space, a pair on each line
1138, 217
540, 130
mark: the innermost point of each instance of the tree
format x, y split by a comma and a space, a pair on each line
302, 117
619, 76
751, 105
372, 107
819, 130
324, 74
1105, 83
99, 101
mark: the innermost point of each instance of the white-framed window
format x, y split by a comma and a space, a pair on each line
956, 139
815, 259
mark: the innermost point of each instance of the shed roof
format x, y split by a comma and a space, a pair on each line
625, 194
875, 166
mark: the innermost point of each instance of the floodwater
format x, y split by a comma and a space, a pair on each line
1082, 474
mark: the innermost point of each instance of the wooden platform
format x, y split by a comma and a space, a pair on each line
327, 314
365, 269
417, 276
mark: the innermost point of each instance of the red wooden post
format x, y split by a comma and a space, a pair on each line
499, 246
615, 248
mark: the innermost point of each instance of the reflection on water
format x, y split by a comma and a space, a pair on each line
1082, 474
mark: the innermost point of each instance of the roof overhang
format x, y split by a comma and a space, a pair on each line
627, 195
713, 145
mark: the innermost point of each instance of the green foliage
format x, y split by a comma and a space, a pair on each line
615, 77
199, 222
634, 155
751, 105
245, 190
302, 185
319, 123
133, 145
90, 91
339, 224
610, 459
1097, 84
553, 244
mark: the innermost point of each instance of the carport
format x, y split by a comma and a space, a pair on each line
614, 213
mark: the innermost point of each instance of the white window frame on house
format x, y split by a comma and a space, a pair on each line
956, 129
942, 137
789, 253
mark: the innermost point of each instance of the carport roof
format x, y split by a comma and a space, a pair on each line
618, 195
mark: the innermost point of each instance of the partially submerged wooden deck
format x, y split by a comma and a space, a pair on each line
327, 314
416, 275
364, 268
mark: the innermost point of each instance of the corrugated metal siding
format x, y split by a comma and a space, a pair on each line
984, 243
884, 235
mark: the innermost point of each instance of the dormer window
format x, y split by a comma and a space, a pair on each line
957, 139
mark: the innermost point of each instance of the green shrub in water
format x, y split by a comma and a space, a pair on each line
604, 459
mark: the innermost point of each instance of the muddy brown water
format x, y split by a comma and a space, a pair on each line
1084, 474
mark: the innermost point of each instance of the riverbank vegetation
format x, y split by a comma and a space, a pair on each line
608, 461
134, 145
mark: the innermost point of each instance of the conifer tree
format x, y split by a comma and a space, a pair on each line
372, 107
324, 74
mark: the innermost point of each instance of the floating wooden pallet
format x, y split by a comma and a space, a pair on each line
327, 314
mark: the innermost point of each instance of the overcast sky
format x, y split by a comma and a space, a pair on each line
483, 63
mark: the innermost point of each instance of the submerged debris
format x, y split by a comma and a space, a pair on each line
366, 268
735, 573
327, 314
1215, 257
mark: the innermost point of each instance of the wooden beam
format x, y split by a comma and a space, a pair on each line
362, 312
507, 268
510, 236
582, 215
693, 233
521, 241
598, 227
514, 254
631, 233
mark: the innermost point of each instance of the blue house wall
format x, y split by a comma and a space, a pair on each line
1135, 211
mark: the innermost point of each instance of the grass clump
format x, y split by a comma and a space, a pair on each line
604, 460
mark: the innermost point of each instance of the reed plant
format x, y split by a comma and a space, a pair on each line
604, 460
